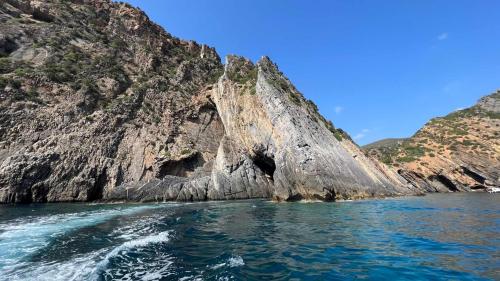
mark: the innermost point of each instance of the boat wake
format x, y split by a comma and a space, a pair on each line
126, 252
20, 238
96, 265
23, 238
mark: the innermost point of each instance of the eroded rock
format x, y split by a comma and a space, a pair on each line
99, 103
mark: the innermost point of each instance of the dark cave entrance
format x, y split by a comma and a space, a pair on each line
445, 181
477, 177
180, 168
266, 164
7, 47
96, 192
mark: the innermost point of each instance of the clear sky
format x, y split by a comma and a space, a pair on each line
377, 69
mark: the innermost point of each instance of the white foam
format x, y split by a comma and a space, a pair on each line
125, 247
217, 266
158, 274
91, 265
78, 268
235, 261
307, 201
142, 227
23, 237
191, 278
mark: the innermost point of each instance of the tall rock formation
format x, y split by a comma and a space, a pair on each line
99, 103
277, 144
458, 152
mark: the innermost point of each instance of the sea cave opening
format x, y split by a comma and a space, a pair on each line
445, 181
266, 164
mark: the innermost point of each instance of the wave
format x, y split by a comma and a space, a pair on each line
125, 247
78, 268
20, 238
93, 265
233, 261
236, 261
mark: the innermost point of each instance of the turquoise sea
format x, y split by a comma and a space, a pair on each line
434, 237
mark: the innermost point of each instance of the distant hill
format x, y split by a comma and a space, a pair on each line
457, 152
385, 143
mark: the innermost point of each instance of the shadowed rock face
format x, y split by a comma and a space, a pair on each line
99, 103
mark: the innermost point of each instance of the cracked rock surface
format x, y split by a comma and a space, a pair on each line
99, 103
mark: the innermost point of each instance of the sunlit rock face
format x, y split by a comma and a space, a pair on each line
277, 144
99, 103
457, 152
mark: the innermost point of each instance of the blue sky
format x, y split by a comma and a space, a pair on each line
377, 69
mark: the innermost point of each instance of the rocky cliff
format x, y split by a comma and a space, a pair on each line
99, 103
458, 152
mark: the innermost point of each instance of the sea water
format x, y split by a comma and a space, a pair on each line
435, 237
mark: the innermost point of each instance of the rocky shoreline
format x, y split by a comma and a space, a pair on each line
458, 152
98, 103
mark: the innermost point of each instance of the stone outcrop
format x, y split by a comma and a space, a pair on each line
99, 103
276, 145
458, 152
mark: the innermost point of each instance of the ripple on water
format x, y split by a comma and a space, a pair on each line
442, 237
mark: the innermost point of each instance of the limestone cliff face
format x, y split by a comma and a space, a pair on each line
458, 152
275, 144
99, 103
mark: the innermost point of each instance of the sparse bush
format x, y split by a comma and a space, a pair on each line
338, 135
468, 142
215, 75
3, 82
458, 132
294, 98
16, 84
413, 151
242, 77
56, 73
313, 105
386, 159
165, 153
5, 65
21, 71
32, 94
492, 115
72, 56
406, 159
89, 85
253, 90
162, 86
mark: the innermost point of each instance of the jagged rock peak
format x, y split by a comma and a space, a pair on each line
99, 103
491, 102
